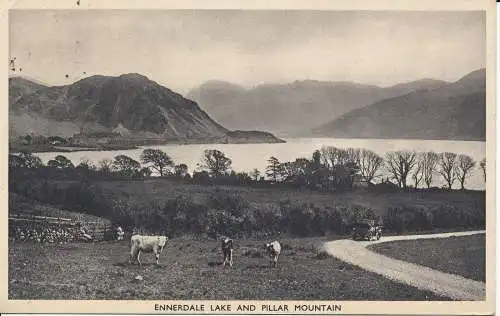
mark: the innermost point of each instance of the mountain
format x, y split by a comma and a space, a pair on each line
130, 104
19, 86
294, 108
454, 111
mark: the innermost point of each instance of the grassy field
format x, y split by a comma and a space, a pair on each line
465, 256
190, 269
163, 189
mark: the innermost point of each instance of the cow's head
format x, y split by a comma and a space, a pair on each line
227, 243
162, 241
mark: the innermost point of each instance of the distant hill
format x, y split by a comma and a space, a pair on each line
294, 108
455, 111
130, 104
19, 86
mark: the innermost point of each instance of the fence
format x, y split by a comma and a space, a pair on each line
54, 229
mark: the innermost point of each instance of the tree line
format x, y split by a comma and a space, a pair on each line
329, 168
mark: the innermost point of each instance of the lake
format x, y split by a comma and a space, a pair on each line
246, 157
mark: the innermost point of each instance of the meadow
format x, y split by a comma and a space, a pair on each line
191, 268
465, 256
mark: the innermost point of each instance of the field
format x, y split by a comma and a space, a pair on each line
154, 189
465, 256
193, 214
190, 269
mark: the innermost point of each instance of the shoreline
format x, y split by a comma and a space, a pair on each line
136, 145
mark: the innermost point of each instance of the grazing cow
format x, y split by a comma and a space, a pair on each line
273, 250
141, 243
227, 251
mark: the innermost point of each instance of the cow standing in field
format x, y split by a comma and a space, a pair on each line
273, 250
141, 243
227, 251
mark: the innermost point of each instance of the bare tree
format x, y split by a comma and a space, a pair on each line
464, 168
105, 164
353, 155
418, 172
332, 157
369, 163
400, 164
447, 167
482, 164
429, 165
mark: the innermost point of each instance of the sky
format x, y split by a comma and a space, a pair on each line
182, 49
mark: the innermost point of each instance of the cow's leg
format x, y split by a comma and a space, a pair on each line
275, 261
231, 258
157, 254
225, 258
133, 256
138, 255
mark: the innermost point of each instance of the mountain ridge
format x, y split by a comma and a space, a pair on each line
293, 108
130, 102
454, 111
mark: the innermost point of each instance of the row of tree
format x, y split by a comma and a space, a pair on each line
329, 167
341, 167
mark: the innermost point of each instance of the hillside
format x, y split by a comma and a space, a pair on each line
19, 86
130, 104
294, 108
455, 111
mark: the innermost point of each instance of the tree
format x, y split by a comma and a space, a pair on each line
105, 165
429, 165
16, 161
333, 156
255, 174
216, 162
295, 170
157, 160
316, 160
30, 160
482, 164
60, 162
418, 172
86, 164
145, 172
369, 163
353, 155
464, 168
181, 170
126, 165
274, 169
400, 164
28, 139
447, 167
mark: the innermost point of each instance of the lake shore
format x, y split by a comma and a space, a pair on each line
134, 144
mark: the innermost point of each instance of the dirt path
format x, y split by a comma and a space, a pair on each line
449, 285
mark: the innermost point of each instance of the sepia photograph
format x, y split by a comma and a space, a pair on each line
315, 156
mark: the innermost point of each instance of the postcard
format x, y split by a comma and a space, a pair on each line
223, 157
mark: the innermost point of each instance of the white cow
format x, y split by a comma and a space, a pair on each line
139, 243
273, 250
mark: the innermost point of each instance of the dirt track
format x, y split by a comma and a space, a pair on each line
449, 285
